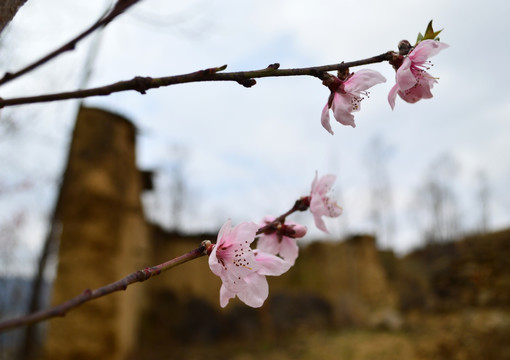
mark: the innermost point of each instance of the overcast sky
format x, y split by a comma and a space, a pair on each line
246, 153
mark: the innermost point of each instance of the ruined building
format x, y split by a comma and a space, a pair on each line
104, 237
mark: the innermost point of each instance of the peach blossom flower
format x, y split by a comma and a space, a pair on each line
243, 270
413, 82
253, 290
347, 97
320, 202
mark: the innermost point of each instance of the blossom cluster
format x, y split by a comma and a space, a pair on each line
413, 83
243, 268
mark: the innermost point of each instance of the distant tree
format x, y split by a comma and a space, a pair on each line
483, 199
9, 241
437, 203
381, 196
178, 188
169, 202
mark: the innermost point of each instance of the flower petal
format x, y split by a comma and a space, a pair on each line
289, 250
405, 77
320, 223
214, 264
363, 80
418, 92
325, 119
392, 96
324, 184
270, 264
320, 203
245, 231
232, 258
268, 244
224, 231
256, 292
342, 108
233, 282
426, 49
225, 296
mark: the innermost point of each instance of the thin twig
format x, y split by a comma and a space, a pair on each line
245, 78
119, 7
87, 295
302, 204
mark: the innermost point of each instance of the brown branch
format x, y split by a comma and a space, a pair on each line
302, 204
119, 7
205, 248
8, 9
87, 295
245, 78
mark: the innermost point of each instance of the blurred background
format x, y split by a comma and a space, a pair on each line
423, 187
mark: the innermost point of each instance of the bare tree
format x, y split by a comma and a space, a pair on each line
9, 240
171, 199
381, 196
178, 188
483, 199
437, 202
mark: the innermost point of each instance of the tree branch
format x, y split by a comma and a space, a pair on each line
8, 10
87, 295
205, 248
119, 7
245, 78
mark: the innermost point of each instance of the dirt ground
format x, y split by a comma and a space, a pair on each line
466, 335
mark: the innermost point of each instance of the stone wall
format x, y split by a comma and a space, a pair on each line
349, 275
104, 238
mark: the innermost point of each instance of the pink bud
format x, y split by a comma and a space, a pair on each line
295, 231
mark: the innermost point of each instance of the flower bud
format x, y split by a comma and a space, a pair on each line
404, 47
295, 231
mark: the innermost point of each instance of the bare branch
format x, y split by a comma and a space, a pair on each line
245, 78
87, 295
205, 247
8, 9
119, 7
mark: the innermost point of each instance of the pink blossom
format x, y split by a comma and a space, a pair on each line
241, 269
253, 290
413, 82
281, 240
232, 259
347, 97
320, 202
